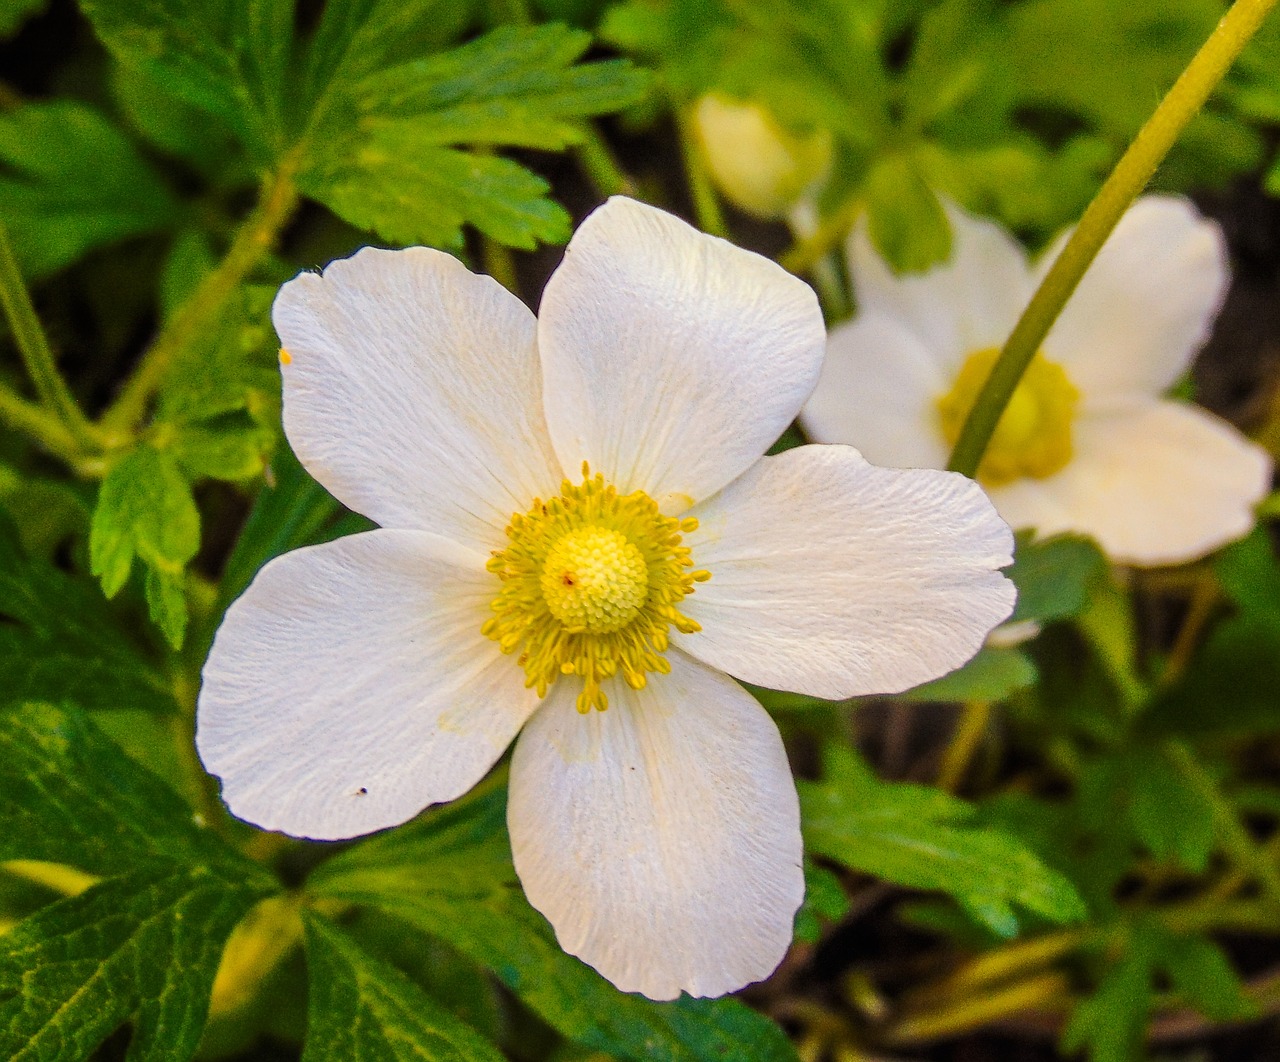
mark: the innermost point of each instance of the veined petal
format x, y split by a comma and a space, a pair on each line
969, 303
412, 392
833, 577
1154, 482
1146, 304
878, 391
671, 359
350, 687
661, 838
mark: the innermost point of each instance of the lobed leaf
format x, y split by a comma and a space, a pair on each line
361, 1009
915, 836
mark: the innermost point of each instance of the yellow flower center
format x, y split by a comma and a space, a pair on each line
590, 584
1033, 435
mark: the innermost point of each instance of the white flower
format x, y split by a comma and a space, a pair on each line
358, 681
1087, 444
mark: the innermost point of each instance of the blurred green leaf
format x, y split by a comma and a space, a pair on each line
824, 901
1111, 1024
449, 873
992, 675
361, 1008
70, 182
904, 218
144, 944
145, 510
229, 59
1054, 576
915, 836
61, 642
394, 163
1203, 975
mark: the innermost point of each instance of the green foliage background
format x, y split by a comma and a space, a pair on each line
169, 164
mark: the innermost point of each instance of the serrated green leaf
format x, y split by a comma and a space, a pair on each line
61, 642
390, 158
228, 59
516, 86
915, 836
450, 874
70, 182
904, 218
70, 795
412, 193
1054, 576
1170, 817
360, 1008
142, 945
992, 675
145, 510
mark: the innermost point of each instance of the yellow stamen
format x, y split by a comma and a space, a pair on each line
590, 584
285, 357
1033, 436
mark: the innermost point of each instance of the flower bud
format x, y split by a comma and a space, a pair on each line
760, 167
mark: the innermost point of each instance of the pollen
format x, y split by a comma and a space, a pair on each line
591, 581
285, 357
1033, 436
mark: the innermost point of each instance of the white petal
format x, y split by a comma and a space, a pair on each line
1154, 482
834, 577
671, 359
350, 687
412, 391
878, 390
661, 838
969, 303
1146, 304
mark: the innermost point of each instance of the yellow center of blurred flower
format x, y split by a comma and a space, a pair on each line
1033, 436
590, 584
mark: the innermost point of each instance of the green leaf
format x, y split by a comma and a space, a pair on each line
70, 795
915, 836
142, 945
231, 60
824, 901
992, 675
62, 643
70, 182
361, 1008
145, 510
1203, 975
1112, 1023
904, 218
391, 159
516, 86
450, 874
1169, 816
1054, 576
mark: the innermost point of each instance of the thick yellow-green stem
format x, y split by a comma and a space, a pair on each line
254, 239
38, 358
1129, 177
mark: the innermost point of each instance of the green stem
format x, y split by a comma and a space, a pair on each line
1235, 838
36, 354
600, 166
38, 423
1129, 177
252, 242
975, 717
705, 203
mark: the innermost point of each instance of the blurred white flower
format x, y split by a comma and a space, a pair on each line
760, 167
356, 682
1086, 444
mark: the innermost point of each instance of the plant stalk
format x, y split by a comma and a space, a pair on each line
1130, 176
